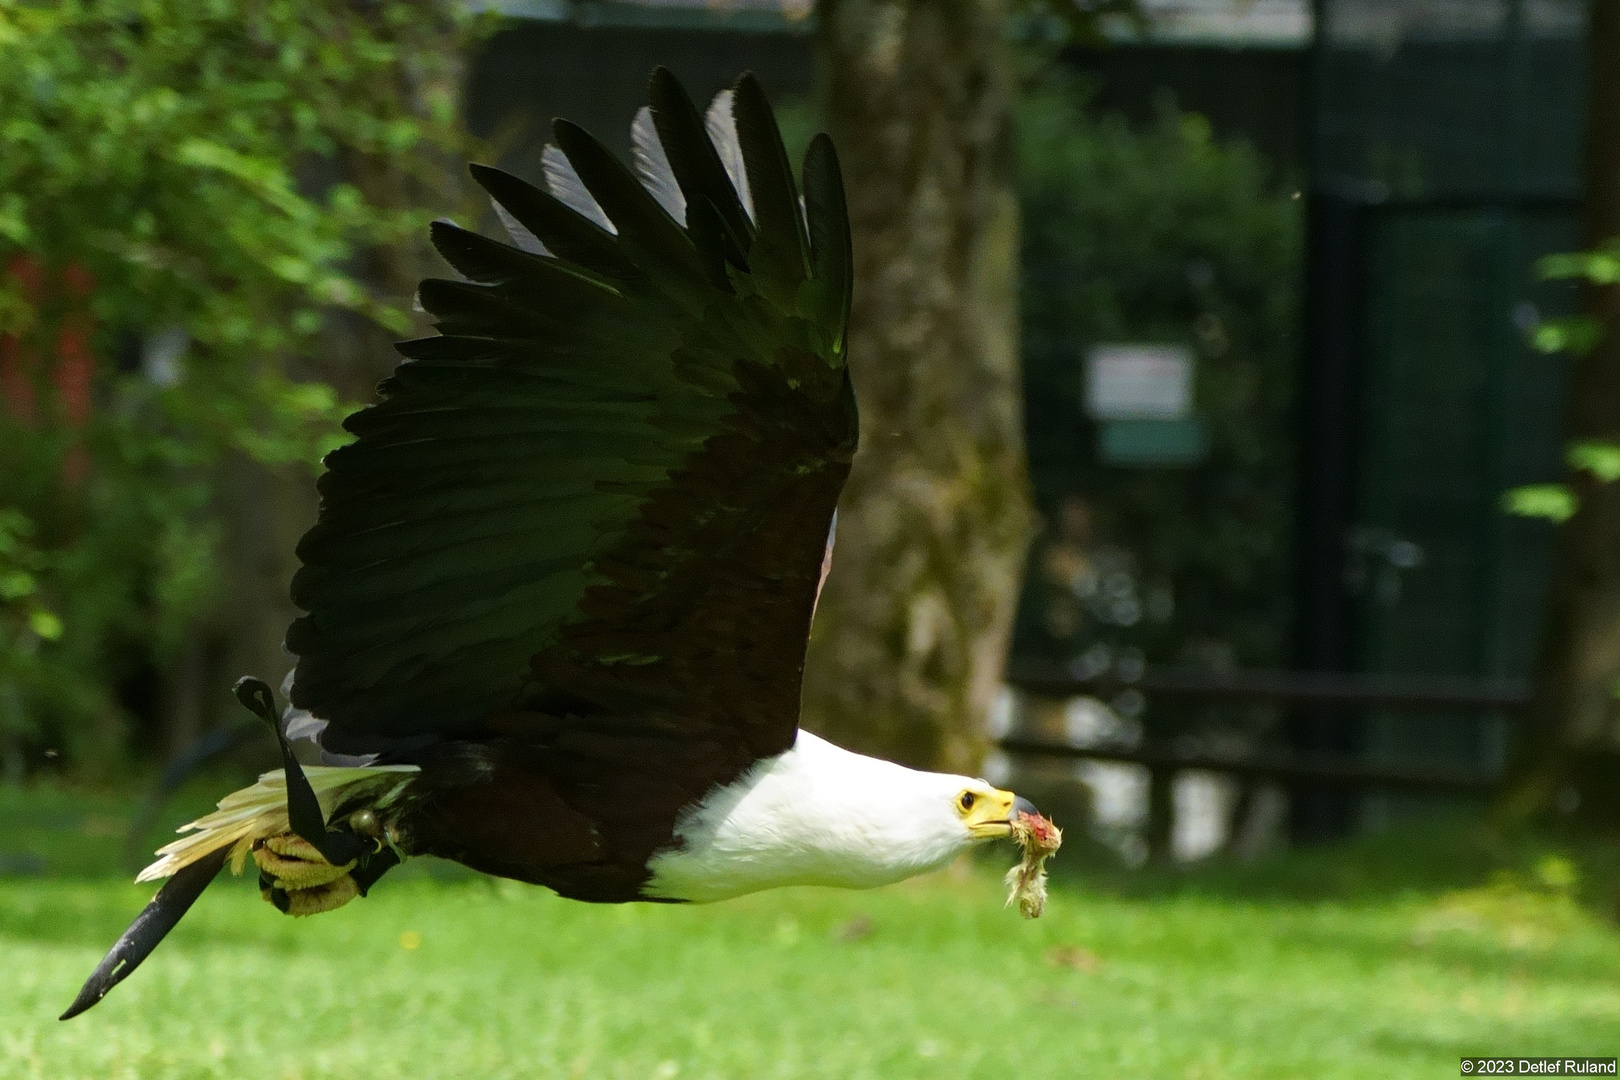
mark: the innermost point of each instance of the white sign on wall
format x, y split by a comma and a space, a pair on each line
1139, 382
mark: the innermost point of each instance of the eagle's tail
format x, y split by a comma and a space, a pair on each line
253, 819
151, 926
258, 813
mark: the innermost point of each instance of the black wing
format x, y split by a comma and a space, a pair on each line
607, 485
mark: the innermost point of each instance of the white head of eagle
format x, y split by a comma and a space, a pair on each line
821, 815
558, 595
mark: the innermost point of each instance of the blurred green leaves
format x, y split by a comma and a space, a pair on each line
1601, 459
1558, 502
1554, 502
1577, 335
20, 566
1600, 267
191, 160
25, 618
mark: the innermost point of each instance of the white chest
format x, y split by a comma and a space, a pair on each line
816, 815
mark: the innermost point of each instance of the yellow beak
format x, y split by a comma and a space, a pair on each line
992, 815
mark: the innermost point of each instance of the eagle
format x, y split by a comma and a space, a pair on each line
559, 590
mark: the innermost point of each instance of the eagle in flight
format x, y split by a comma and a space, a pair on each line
562, 578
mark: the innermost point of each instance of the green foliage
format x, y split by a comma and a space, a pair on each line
1553, 502
181, 163
1601, 459
1161, 235
20, 566
1600, 267
1577, 335
25, 620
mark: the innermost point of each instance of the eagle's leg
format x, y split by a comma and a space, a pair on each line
299, 880
295, 877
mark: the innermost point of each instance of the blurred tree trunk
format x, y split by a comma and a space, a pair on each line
914, 623
1572, 742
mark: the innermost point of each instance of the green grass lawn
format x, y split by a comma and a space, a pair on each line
1386, 959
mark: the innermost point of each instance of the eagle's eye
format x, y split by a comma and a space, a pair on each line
966, 801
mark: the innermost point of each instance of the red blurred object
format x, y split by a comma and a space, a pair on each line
56, 353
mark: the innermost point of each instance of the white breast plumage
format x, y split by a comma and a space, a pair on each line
816, 815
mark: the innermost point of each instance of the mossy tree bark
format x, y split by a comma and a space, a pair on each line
1572, 743
914, 622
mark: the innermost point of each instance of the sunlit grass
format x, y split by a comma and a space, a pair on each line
1222, 973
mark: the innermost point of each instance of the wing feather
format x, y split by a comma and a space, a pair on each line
568, 189
515, 229
652, 165
721, 123
778, 257
611, 474
565, 233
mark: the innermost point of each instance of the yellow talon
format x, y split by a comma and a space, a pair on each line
295, 864
318, 898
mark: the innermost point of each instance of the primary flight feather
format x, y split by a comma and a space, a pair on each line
559, 591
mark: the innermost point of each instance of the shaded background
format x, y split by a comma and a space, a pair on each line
1270, 662
1339, 226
